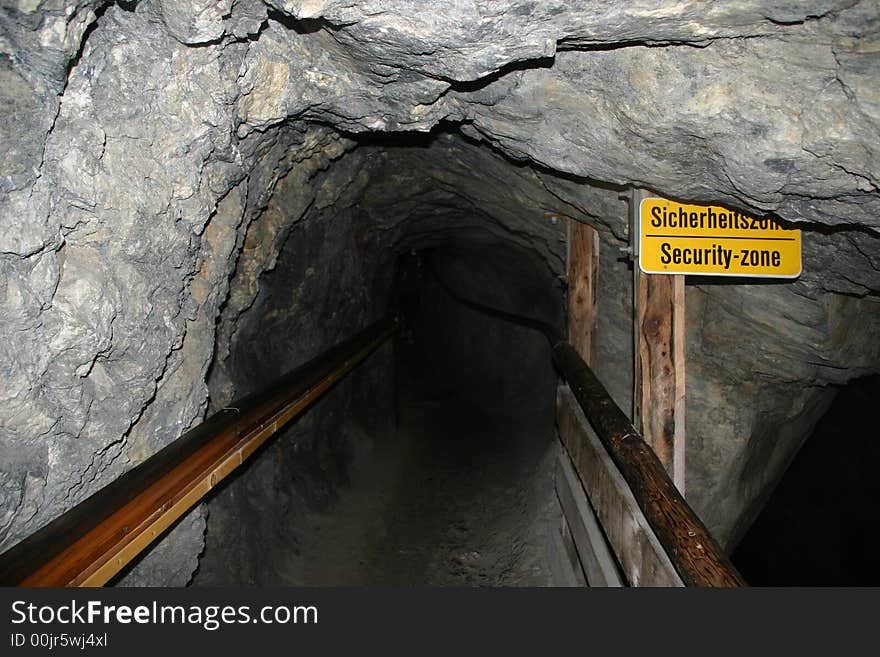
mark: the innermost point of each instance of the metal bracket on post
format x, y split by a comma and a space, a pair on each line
633, 197
631, 251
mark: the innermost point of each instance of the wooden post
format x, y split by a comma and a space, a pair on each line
583, 272
659, 348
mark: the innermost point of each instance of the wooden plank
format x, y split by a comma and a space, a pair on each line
679, 358
566, 571
582, 274
571, 553
659, 347
642, 559
594, 553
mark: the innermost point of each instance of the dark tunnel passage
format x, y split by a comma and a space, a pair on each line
451, 483
432, 462
818, 528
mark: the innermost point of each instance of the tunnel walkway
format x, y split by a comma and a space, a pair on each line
460, 496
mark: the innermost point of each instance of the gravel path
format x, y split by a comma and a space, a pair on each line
461, 496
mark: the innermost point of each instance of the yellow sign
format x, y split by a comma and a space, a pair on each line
675, 238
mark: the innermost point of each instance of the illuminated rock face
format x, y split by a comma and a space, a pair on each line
157, 156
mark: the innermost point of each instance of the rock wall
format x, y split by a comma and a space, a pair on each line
318, 294
143, 142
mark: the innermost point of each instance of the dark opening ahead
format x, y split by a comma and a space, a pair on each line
820, 526
458, 490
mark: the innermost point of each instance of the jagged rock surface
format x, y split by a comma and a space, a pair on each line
142, 143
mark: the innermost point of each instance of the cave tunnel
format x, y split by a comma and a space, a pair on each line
442, 471
196, 201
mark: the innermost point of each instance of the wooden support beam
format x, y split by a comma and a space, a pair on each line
659, 393
583, 276
659, 347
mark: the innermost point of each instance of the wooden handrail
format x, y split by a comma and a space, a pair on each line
694, 553
94, 540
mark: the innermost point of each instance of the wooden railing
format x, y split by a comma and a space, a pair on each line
694, 554
93, 541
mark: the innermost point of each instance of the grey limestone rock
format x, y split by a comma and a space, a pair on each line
158, 157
